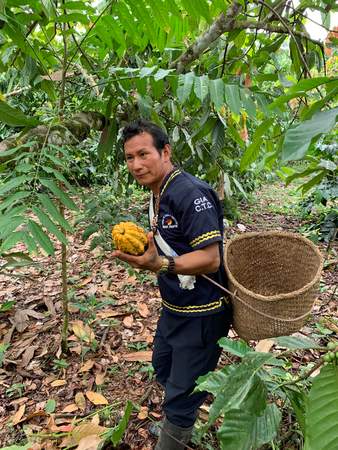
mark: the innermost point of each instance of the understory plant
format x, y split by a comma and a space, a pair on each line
252, 396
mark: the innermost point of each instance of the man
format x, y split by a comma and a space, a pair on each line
186, 242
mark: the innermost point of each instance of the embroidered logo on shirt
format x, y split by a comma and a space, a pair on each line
202, 203
169, 221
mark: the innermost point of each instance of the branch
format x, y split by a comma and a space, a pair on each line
245, 24
225, 23
222, 24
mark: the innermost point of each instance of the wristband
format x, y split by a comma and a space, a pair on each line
167, 266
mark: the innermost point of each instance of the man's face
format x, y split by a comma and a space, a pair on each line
144, 162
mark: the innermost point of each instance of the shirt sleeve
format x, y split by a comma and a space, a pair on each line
200, 218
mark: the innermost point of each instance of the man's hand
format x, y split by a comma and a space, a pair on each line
150, 260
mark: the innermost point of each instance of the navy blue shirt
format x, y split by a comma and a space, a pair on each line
190, 218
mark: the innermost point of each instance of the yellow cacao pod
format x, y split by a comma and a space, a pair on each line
129, 238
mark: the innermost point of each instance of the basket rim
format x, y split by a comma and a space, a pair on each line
272, 298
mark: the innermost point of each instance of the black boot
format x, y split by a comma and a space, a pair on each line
173, 437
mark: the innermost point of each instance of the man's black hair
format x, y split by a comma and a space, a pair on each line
160, 137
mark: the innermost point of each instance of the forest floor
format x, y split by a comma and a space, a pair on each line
113, 315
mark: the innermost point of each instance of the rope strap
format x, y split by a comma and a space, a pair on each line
252, 308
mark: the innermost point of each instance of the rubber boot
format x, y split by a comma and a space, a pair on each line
173, 437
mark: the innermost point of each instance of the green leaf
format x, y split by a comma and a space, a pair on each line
13, 199
216, 88
72, 17
54, 212
238, 348
322, 413
3, 348
15, 117
14, 183
185, 83
300, 89
313, 182
232, 98
9, 223
243, 430
311, 83
41, 237
217, 139
146, 71
18, 447
91, 229
298, 403
30, 243
243, 390
50, 406
48, 8
49, 225
12, 240
295, 342
59, 194
298, 139
201, 87
59, 177
252, 152
115, 435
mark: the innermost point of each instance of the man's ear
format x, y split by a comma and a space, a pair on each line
166, 152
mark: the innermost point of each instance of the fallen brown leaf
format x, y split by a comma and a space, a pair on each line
96, 398
143, 413
264, 345
80, 400
128, 321
70, 408
99, 378
143, 310
57, 383
87, 366
18, 415
138, 356
91, 442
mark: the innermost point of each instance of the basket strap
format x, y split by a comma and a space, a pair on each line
254, 309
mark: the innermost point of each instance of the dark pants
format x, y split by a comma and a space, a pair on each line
184, 349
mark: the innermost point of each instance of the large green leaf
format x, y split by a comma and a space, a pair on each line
232, 97
15, 117
242, 430
217, 139
298, 139
295, 342
300, 89
201, 87
242, 390
185, 83
322, 411
216, 88
238, 348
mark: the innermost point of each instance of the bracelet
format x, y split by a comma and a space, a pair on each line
167, 266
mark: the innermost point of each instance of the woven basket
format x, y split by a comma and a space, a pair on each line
274, 277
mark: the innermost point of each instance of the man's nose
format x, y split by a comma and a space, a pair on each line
137, 164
